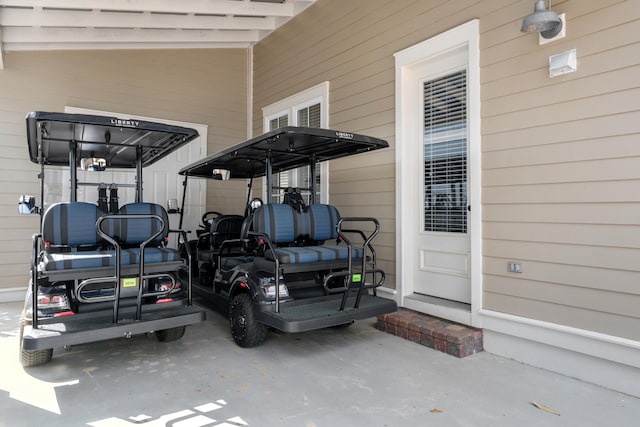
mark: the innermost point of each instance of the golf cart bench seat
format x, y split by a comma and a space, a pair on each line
73, 243
286, 227
222, 228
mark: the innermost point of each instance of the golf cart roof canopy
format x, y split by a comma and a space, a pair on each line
110, 138
287, 148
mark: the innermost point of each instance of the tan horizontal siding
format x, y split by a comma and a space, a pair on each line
569, 315
568, 275
585, 298
614, 147
564, 213
575, 192
196, 86
560, 160
619, 258
618, 169
603, 235
626, 123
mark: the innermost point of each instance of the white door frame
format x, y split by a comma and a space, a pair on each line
406, 219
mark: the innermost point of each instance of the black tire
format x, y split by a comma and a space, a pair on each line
171, 334
245, 330
342, 326
29, 358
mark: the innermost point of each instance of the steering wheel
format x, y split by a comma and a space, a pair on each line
206, 221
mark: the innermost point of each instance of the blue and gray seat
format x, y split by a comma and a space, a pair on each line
298, 238
72, 242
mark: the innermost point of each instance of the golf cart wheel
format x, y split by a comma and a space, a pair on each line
171, 334
30, 358
342, 325
245, 330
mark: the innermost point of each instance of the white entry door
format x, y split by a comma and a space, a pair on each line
161, 182
440, 145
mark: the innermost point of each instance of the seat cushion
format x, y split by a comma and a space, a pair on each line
77, 260
106, 258
151, 255
308, 254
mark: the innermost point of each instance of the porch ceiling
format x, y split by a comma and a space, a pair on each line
140, 24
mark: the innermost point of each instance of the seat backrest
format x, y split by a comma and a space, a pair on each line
322, 221
276, 221
225, 227
137, 230
247, 226
71, 224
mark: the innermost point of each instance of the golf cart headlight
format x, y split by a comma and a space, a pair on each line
268, 285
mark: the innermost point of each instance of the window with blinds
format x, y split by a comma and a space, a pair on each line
279, 122
445, 153
299, 178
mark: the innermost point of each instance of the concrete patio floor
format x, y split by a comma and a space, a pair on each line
357, 376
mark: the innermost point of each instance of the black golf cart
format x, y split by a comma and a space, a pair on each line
295, 265
98, 270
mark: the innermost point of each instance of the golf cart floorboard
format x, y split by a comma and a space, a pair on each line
323, 312
80, 329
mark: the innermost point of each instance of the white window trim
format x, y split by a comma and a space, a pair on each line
290, 106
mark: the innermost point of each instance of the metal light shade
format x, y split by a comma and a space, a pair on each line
543, 21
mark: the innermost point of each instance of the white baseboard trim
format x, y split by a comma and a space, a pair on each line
608, 361
389, 293
12, 294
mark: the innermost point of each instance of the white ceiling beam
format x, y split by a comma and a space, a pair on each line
60, 18
139, 24
14, 36
11, 47
225, 7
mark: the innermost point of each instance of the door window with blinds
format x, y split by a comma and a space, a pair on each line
445, 153
307, 109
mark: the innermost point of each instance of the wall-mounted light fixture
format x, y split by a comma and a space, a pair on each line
543, 21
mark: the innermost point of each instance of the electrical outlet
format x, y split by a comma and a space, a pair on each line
514, 267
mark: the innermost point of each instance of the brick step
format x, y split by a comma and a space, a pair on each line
442, 335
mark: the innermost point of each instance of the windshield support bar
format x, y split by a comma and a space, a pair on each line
73, 173
312, 173
184, 195
139, 174
268, 174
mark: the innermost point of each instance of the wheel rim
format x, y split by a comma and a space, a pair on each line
238, 321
